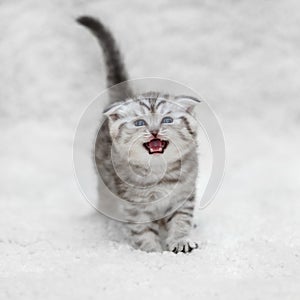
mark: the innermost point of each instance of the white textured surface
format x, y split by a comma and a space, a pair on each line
242, 56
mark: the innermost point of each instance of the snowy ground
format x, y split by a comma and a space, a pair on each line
242, 57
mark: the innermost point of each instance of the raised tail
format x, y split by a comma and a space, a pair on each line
115, 69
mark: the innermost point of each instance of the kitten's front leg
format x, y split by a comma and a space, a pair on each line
145, 236
179, 225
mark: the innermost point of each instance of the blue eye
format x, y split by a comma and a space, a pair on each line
167, 120
140, 122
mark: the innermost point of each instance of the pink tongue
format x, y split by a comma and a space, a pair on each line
155, 145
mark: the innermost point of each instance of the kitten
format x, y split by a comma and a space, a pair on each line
145, 153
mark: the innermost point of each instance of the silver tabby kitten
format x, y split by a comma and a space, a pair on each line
146, 154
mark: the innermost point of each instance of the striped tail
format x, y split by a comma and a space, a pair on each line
115, 69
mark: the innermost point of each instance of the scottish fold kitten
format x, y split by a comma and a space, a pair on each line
145, 153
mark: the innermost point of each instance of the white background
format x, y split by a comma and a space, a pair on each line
242, 57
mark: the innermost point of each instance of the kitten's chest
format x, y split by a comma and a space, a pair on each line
146, 183
143, 176
146, 195
157, 187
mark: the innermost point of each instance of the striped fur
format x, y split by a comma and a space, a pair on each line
158, 189
115, 70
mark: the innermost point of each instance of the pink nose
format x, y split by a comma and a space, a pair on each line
154, 133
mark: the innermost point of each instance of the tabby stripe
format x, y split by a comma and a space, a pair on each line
189, 207
144, 104
191, 199
182, 136
152, 105
185, 213
187, 124
144, 231
132, 213
121, 126
170, 180
148, 213
179, 212
176, 167
161, 102
188, 221
168, 210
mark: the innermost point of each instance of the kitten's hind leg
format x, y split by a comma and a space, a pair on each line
145, 236
179, 225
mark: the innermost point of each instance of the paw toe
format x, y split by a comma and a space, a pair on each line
184, 246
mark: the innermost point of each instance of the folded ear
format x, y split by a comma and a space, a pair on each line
113, 111
187, 102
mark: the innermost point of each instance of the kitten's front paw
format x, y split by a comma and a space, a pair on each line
149, 246
183, 245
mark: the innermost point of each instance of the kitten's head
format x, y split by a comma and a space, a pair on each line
152, 124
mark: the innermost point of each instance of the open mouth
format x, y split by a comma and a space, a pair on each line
156, 146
